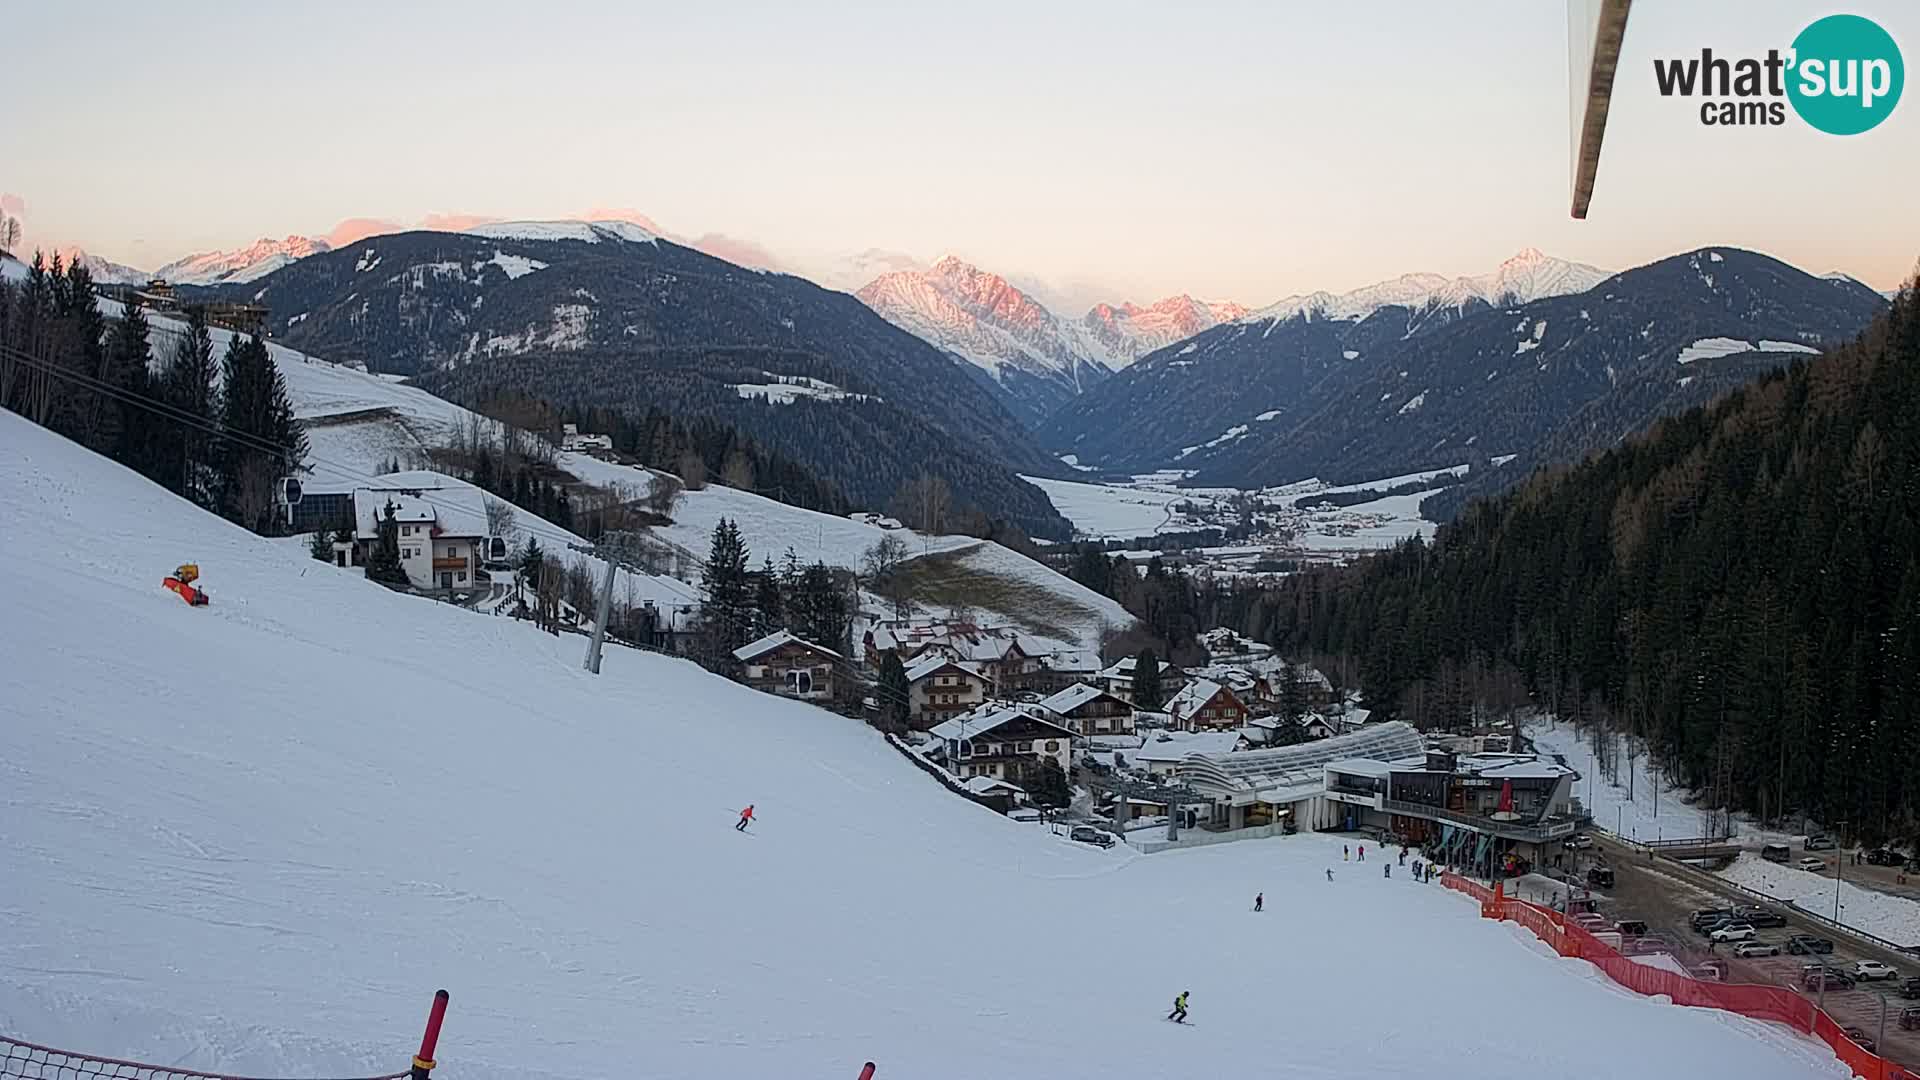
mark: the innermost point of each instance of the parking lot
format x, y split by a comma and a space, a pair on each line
1665, 902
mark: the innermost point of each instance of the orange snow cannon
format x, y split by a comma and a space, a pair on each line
181, 582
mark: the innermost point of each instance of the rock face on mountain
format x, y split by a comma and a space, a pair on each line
1129, 332
1036, 359
1351, 392
609, 313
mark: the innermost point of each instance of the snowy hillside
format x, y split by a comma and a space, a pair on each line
255, 836
356, 421
256, 260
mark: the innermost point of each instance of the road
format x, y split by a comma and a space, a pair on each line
1665, 895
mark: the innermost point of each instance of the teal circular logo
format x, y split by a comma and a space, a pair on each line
1846, 74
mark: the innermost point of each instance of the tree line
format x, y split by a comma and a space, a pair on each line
1738, 590
220, 432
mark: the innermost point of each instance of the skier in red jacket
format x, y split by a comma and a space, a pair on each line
746, 818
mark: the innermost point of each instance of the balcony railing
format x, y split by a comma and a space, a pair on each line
1535, 833
450, 565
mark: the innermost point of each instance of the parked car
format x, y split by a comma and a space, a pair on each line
1860, 1036
1808, 945
1884, 857
1652, 943
1588, 920
1756, 948
1827, 979
1910, 987
1633, 927
1909, 1018
1813, 865
1776, 852
1874, 970
1087, 834
1705, 927
1580, 840
1600, 877
1819, 843
1709, 971
1734, 932
1025, 813
1760, 917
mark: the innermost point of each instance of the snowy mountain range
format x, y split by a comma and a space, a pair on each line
256, 260
1129, 332
1037, 358
1418, 385
1528, 276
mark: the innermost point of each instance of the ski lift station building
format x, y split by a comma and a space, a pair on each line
1383, 776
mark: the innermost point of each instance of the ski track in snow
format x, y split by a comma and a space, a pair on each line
255, 836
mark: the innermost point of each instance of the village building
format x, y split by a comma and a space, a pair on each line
939, 688
1205, 705
1088, 710
442, 527
1161, 755
789, 667
573, 441
1003, 743
1117, 678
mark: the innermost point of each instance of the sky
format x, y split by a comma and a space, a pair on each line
1112, 151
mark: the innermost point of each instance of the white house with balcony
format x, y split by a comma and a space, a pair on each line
1002, 743
442, 527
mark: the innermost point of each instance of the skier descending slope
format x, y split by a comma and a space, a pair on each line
1179, 1013
1259, 900
746, 818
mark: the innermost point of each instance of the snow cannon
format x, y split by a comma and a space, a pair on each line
181, 582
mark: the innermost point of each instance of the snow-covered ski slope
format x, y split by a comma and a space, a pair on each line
255, 836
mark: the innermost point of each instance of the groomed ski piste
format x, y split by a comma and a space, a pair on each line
253, 838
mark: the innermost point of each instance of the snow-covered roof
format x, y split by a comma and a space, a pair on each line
987, 785
974, 725
927, 665
1363, 767
452, 506
1180, 745
1076, 660
1511, 767
1072, 698
1193, 697
1301, 767
775, 640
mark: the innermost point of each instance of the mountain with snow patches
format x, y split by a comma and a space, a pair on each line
1529, 275
609, 313
1037, 359
250, 263
1399, 389
108, 272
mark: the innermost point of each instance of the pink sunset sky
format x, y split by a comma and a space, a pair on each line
1111, 151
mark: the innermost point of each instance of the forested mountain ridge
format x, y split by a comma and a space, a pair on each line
606, 313
1740, 586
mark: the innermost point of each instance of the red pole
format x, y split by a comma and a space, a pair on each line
423, 1061
867, 1073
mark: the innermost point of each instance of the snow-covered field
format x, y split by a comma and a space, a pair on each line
1895, 918
255, 836
1112, 512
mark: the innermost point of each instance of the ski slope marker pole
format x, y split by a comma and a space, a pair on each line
423, 1061
867, 1073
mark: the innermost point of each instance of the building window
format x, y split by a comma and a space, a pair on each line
800, 682
1026, 747
461, 576
1053, 746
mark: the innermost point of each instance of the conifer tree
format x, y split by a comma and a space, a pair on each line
383, 565
129, 368
188, 386
895, 693
728, 607
1148, 694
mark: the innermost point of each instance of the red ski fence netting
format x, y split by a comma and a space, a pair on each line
1773, 1003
